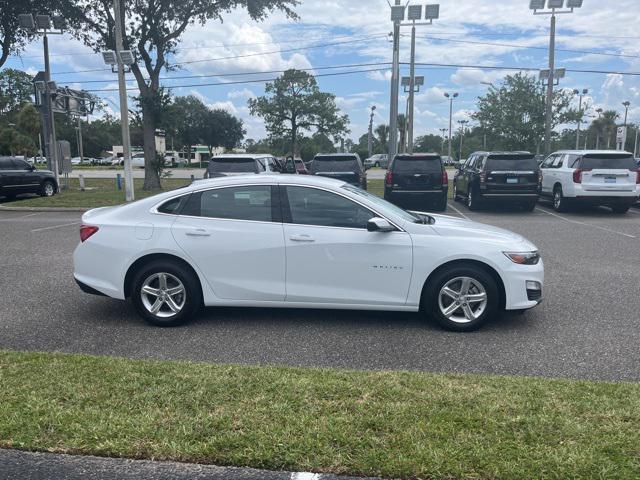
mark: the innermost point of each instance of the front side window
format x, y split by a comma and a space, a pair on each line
20, 164
6, 164
251, 203
311, 206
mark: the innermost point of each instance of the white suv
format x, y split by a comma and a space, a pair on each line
595, 177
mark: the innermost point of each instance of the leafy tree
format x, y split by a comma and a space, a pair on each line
428, 144
188, 117
221, 129
514, 113
16, 88
294, 104
604, 128
382, 135
152, 31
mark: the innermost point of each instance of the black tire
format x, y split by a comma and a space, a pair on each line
560, 203
47, 189
192, 293
432, 292
473, 199
529, 207
456, 197
376, 165
620, 209
441, 204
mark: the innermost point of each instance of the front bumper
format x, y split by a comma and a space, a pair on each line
519, 281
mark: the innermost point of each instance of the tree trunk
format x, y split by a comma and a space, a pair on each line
294, 138
151, 176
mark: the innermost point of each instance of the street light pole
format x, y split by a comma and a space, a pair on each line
462, 124
395, 80
370, 139
80, 146
412, 73
599, 112
443, 131
50, 142
626, 106
577, 92
124, 107
450, 97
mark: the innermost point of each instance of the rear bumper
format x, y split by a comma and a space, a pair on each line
527, 195
605, 200
87, 289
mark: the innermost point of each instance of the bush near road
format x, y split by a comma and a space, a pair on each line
391, 424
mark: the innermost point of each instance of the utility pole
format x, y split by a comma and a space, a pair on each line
124, 107
412, 81
370, 142
635, 145
50, 142
443, 131
577, 92
80, 147
462, 124
626, 106
395, 80
450, 97
599, 112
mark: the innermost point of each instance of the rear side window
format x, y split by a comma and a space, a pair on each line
20, 164
6, 164
518, 164
234, 203
608, 161
232, 165
172, 207
417, 165
335, 163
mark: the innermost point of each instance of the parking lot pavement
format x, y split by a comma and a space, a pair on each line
587, 326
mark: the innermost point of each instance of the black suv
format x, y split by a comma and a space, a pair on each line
417, 178
341, 166
18, 176
507, 177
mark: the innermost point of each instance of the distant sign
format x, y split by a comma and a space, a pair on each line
621, 138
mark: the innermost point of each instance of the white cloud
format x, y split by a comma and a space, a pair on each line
244, 94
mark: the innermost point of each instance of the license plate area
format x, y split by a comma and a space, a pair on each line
512, 180
610, 179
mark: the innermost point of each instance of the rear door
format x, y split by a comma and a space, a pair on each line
341, 167
414, 173
610, 172
511, 174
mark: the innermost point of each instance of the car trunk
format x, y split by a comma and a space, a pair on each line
608, 172
417, 174
344, 168
511, 174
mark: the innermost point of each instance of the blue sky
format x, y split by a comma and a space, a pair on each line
483, 33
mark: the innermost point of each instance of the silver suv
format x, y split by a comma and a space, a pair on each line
380, 160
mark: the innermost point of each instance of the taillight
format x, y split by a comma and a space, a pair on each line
86, 231
445, 178
577, 174
638, 177
388, 178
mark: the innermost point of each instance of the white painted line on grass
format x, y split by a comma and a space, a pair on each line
18, 218
459, 212
54, 226
586, 224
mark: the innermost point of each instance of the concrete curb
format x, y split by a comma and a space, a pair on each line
43, 209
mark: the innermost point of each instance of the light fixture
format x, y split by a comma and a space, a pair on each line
43, 22
126, 56
574, 3
40, 85
25, 20
432, 12
555, 3
110, 58
52, 86
419, 81
397, 13
560, 72
406, 81
544, 74
59, 22
536, 4
415, 12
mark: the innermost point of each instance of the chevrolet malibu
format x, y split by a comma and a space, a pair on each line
301, 242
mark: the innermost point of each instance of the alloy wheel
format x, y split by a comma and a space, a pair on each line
48, 189
557, 200
462, 299
163, 295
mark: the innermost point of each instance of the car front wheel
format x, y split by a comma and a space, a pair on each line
462, 298
47, 189
166, 294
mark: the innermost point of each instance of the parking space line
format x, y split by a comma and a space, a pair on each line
54, 226
586, 224
18, 218
459, 212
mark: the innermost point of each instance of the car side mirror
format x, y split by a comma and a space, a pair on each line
377, 224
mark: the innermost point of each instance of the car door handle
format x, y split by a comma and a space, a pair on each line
301, 238
200, 232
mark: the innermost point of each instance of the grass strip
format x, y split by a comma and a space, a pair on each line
390, 424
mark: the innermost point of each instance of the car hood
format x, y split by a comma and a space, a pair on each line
448, 226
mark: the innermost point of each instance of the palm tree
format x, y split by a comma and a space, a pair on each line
382, 133
402, 128
605, 125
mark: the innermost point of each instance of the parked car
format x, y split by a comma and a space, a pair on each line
379, 160
18, 176
504, 177
81, 161
137, 160
221, 242
448, 161
594, 177
103, 161
417, 178
340, 166
293, 166
241, 164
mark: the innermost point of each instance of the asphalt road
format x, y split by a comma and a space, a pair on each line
587, 326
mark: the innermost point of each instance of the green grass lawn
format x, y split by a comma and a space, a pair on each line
391, 424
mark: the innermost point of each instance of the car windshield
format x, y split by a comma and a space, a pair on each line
610, 161
335, 163
232, 165
383, 204
417, 165
512, 163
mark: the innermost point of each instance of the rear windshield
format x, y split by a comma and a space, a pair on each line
417, 165
232, 165
335, 164
608, 161
518, 164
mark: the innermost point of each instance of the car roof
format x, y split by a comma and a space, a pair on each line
502, 152
282, 179
243, 155
336, 155
418, 154
592, 152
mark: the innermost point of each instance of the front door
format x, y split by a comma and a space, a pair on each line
234, 235
332, 258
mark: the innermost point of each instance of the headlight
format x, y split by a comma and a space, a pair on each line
523, 258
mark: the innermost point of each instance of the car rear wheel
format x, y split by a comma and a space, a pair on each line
47, 189
462, 298
559, 201
377, 164
529, 207
441, 204
455, 193
166, 294
473, 200
620, 209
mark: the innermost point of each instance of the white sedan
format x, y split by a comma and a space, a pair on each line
301, 242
